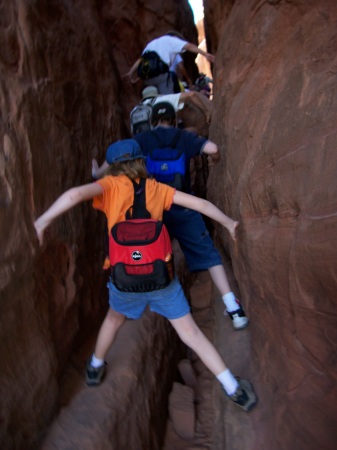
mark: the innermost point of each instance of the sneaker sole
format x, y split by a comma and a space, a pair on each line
252, 398
253, 401
240, 327
94, 382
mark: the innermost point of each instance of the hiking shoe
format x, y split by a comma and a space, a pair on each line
244, 396
239, 319
94, 375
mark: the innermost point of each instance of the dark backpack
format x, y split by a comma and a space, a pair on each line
140, 249
151, 66
140, 117
167, 163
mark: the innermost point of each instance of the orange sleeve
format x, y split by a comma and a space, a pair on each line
159, 198
166, 193
99, 202
169, 198
117, 196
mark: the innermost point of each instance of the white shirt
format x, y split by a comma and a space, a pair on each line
177, 60
167, 47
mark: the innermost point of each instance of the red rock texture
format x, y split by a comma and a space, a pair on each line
216, 15
129, 408
61, 104
181, 411
56, 112
274, 117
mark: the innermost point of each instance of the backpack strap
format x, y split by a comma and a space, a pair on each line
148, 101
139, 210
174, 141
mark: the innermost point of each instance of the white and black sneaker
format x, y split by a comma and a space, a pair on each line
94, 375
244, 396
239, 319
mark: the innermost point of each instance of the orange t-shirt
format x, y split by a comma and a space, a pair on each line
118, 196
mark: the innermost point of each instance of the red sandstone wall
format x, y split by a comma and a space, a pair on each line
275, 121
61, 104
216, 15
58, 96
274, 117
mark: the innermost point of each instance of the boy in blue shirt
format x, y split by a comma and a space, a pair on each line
185, 225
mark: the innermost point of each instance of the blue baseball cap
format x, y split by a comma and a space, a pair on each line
125, 150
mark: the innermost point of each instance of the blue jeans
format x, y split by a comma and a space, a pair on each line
188, 227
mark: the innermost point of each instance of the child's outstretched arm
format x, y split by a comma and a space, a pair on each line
208, 209
65, 202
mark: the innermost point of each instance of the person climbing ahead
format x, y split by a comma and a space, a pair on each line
154, 63
178, 66
150, 95
114, 195
186, 225
180, 74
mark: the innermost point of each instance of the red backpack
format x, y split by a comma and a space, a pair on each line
140, 249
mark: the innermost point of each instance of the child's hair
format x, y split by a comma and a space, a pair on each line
133, 169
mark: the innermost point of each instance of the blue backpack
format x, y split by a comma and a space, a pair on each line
167, 163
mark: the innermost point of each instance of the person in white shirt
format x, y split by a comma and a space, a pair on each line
179, 71
166, 48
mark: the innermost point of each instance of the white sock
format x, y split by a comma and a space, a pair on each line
96, 362
230, 302
228, 381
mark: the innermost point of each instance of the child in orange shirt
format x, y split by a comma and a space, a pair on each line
114, 195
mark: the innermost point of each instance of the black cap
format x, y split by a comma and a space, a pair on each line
163, 111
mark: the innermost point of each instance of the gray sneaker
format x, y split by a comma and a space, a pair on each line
94, 375
244, 396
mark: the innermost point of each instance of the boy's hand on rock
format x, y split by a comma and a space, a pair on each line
39, 231
232, 230
94, 168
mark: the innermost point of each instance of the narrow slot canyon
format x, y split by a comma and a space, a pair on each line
64, 100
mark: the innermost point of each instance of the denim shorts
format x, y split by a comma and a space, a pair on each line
169, 302
189, 228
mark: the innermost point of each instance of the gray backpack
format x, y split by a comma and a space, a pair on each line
140, 117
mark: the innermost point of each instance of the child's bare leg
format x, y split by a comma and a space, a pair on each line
241, 393
113, 320
193, 337
220, 279
95, 367
233, 307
